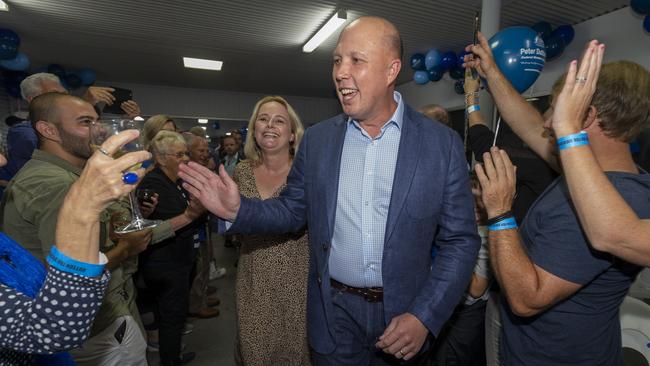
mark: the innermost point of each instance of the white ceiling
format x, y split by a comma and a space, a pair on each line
260, 41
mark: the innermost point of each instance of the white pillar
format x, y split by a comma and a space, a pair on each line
490, 22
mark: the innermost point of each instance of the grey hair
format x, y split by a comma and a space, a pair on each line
161, 144
32, 86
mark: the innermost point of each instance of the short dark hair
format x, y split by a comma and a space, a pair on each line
42, 107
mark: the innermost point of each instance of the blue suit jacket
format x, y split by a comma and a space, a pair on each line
431, 204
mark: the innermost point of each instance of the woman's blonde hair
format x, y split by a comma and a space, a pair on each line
161, 144
152, 126
251, 149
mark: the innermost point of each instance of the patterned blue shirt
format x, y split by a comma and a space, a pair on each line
364, 192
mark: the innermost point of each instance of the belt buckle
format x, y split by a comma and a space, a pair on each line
372, 295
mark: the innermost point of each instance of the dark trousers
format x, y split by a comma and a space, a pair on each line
169, 291
462, 340
357, 325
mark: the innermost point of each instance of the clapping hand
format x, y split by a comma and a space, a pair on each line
497, 176
573, 102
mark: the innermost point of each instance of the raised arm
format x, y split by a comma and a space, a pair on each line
522, 117
609, 222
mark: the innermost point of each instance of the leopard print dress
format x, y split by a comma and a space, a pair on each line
271, 292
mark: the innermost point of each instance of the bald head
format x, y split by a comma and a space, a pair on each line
381, 28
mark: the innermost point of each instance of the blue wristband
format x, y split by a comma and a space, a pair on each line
473, 108
504, 224
577, 139
63, 263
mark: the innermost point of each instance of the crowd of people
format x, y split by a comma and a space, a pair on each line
363, 240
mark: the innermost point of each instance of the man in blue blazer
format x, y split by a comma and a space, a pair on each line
378, 186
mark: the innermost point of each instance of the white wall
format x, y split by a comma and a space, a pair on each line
219, 104
621, 31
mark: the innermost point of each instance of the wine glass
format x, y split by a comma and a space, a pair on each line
99, 132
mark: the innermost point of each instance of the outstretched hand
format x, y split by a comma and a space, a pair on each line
573, 102
219, 194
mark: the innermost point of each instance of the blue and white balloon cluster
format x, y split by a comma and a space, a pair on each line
15, 67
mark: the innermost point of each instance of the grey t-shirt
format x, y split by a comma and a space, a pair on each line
583, 329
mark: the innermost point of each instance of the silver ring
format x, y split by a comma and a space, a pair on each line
103, 151
402, 353
581, 79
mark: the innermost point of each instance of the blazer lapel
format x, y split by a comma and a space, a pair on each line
407, 161
333, 162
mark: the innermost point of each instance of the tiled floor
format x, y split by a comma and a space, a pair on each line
213, 339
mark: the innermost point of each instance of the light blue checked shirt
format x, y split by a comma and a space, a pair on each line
365, 187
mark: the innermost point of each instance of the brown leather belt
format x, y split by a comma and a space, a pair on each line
370, 294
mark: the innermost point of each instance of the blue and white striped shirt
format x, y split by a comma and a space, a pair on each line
364, 192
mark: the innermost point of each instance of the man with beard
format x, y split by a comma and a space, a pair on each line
29, 212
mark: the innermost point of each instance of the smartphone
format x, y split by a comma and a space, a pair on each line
121, 95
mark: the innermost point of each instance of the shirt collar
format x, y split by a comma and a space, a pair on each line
397, 118
53, 159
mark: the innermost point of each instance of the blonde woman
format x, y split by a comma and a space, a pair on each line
271, 287
155, 124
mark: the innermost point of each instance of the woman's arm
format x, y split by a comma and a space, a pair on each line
60, 316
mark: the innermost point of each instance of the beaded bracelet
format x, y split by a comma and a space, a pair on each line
504, 224
64, 263
577, 139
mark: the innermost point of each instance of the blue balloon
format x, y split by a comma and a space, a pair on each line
435, 74
57, 70
20, 63
417, 62
554, 48
520, 55
641, 6
646, 23
8, 51
457, 73
87, 76
461, 58
432, 59
566, 32
73, 80
448, 60
459, 86
543, 29
420, 77
9, 36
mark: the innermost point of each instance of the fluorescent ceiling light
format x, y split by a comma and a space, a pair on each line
330, 27
4, 6
204, 127
207, 136
228, 133
203, 120
199, 63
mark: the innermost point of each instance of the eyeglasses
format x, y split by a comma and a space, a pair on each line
180, 155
